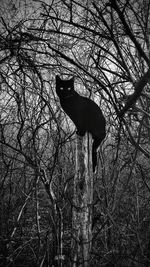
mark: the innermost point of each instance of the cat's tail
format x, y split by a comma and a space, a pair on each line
96, 144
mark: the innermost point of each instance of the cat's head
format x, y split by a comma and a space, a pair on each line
64, 88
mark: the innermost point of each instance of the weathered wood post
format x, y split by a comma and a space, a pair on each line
83, 198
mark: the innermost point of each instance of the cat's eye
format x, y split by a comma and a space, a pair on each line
61, 88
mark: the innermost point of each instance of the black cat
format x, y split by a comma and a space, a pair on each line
85, 113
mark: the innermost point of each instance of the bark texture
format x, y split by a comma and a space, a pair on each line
83, 197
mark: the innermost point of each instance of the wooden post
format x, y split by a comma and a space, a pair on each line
83, 198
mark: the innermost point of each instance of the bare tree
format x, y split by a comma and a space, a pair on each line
105, 45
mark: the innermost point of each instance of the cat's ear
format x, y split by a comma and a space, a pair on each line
72, 80
58, 78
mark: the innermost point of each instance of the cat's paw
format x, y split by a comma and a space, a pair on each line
80, 133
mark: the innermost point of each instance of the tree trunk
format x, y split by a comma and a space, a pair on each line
83, 197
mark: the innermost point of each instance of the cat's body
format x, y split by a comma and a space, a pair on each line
85, 113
